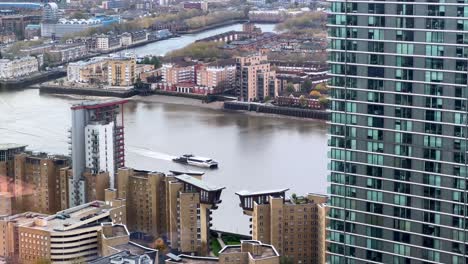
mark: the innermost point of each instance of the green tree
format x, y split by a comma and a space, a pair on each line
290, 88
323, 101
306, 86
321, 87
303, 101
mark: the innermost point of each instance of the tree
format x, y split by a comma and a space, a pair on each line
267, 98
315, 94
290, 88
303, 101
306, 86
323, 101
321, 87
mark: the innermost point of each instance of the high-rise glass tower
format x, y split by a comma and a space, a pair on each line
398, 131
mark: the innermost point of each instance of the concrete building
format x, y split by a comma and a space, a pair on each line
398, 132
221, 76
255, 80
20, 67
50, 12
7, 165
97, 144
179, 72
68, 52
176, 207
32, 31
108, 42
296, 226
121, 72
83, 232
17, 23
248, 252
40, 173
92, 71
65, 27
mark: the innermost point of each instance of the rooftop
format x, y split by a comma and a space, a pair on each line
198, 183
8, 146
134, 248
266, 192
193, 259
73, 218
98, 104
267, 251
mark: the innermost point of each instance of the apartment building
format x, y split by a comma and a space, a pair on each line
7, 169
179, 72
97, 146
92, 71
37, 182
254, 78
248, 252
397, 141
121, 72
108, 42
217, 76
68, 52
19, 67
295, 226
178, 207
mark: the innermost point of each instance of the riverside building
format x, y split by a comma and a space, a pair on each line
178, 207
296, 227
97, 145
398, 135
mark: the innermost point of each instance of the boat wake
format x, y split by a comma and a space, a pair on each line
150, 154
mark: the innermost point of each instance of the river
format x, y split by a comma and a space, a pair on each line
255, 152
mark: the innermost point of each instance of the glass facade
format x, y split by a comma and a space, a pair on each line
398, 131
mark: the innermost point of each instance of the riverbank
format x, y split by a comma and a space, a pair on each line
35, 78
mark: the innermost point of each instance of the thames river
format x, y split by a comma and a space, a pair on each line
255, 152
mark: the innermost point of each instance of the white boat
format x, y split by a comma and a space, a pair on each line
196, 161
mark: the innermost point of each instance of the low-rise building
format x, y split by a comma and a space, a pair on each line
32, 31
248, 252
7, 37
18, 67
295, 226
68, 52
108, 42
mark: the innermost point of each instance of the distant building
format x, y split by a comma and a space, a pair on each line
248, 252
116, 72
32, 31
176, 207
7, 37
20, 67
121, 72
50, 13
254, 78
220, 76
296, 226
65, 27
108, 42
179, 72
97, 144
68, 52
201, 5
17, 23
